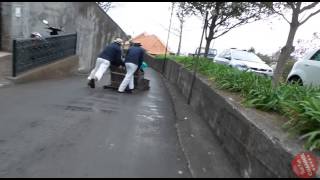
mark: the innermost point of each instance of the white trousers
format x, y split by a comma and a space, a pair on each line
129, 78
100, 68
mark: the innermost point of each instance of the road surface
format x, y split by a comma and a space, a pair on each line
62, 128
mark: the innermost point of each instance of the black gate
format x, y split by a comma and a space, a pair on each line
31, 53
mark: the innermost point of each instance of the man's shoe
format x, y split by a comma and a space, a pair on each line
91, 83
128, 91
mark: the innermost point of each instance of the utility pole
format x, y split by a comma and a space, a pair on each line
195, 66
165, 55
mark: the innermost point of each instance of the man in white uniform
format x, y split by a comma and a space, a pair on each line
133, 62
110, 55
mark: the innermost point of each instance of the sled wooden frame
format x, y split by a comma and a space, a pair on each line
117, 75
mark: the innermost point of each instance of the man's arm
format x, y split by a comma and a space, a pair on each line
141, 59
119, 53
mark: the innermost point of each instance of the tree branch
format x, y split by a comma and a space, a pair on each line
309, 17
215, 37
291, 4
309, 6
235, 25
228, 29
299, 6
222, 20
281, 15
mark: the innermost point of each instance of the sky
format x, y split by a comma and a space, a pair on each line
266, 36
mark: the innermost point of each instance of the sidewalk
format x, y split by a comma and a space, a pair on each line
206, 157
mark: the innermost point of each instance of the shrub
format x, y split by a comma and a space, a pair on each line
300, 104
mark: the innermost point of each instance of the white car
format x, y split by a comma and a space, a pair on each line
244, 61
306, 71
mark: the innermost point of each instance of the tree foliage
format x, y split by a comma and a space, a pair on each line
301, 12
252, 50
304, 45
224, 16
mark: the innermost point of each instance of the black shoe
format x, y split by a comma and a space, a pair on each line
129, 91
91, 83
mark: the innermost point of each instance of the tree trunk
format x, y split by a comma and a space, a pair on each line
210, 36
180, 38
285, 51
212, 26
208, 42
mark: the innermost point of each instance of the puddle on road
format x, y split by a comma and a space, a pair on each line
149, 117
155, 98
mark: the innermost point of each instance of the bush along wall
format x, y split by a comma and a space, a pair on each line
301, 105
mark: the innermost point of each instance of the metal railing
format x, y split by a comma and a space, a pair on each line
31, 53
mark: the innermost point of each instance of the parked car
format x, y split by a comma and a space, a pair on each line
306, 71
211, 53
244, 61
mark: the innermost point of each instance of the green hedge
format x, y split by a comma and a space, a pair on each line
300, 104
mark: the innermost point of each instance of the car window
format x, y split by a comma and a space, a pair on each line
212, 51
316, 56
245, 56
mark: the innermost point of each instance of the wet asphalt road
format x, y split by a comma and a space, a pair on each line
61, 128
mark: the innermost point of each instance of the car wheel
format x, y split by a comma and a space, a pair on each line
296, 80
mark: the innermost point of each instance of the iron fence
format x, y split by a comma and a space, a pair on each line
31, 53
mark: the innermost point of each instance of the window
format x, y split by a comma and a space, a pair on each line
316, 56
245, 56
210, 52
